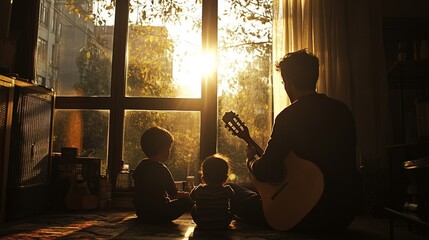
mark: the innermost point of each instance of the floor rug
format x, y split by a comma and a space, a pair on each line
124, 225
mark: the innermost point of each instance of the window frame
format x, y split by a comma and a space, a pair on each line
118, 102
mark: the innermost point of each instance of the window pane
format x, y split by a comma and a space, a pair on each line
45, 7
164, 48
79, 44
185, 127
244, 76
86, 130
42, 49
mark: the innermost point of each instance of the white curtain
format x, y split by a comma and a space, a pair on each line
346, 35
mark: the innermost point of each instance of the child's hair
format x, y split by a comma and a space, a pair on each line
215, 169
155, 139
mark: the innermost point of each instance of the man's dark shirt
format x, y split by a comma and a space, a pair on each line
322, 130
153, 184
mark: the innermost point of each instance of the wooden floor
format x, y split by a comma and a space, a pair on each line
123, 224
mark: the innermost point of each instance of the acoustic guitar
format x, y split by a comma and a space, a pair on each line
285, 203
78, 196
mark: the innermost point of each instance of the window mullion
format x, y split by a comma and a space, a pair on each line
209, 83
118, 86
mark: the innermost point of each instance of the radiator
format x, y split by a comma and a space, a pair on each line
30, 148
6, 99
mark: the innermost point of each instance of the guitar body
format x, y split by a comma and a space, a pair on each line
286, 204
79, 197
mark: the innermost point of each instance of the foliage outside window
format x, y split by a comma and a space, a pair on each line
164, 53
150, 63
245, 78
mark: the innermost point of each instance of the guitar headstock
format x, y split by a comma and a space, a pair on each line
235, 125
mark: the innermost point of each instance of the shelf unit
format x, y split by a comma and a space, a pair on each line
408, 83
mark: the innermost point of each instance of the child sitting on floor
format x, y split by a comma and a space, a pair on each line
156, 198
212, 198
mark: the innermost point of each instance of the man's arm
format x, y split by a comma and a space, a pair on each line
269, 167
251, 157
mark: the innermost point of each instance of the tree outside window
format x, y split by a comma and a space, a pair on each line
244, 73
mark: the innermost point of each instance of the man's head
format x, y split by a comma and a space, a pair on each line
215, 169
154, 140
300, 69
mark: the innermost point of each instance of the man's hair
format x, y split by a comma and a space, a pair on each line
155, 139
215, 169
301, 68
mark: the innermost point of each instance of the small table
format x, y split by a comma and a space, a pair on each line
410, 217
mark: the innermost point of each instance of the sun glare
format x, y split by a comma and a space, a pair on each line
207, 64
193, 70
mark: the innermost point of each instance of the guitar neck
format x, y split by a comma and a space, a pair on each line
259, 150
239, 129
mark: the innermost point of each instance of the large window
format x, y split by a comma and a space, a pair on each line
119, 67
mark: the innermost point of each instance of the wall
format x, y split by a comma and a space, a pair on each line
406, 8
5, 9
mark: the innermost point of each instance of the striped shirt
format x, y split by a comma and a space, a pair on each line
212, 206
